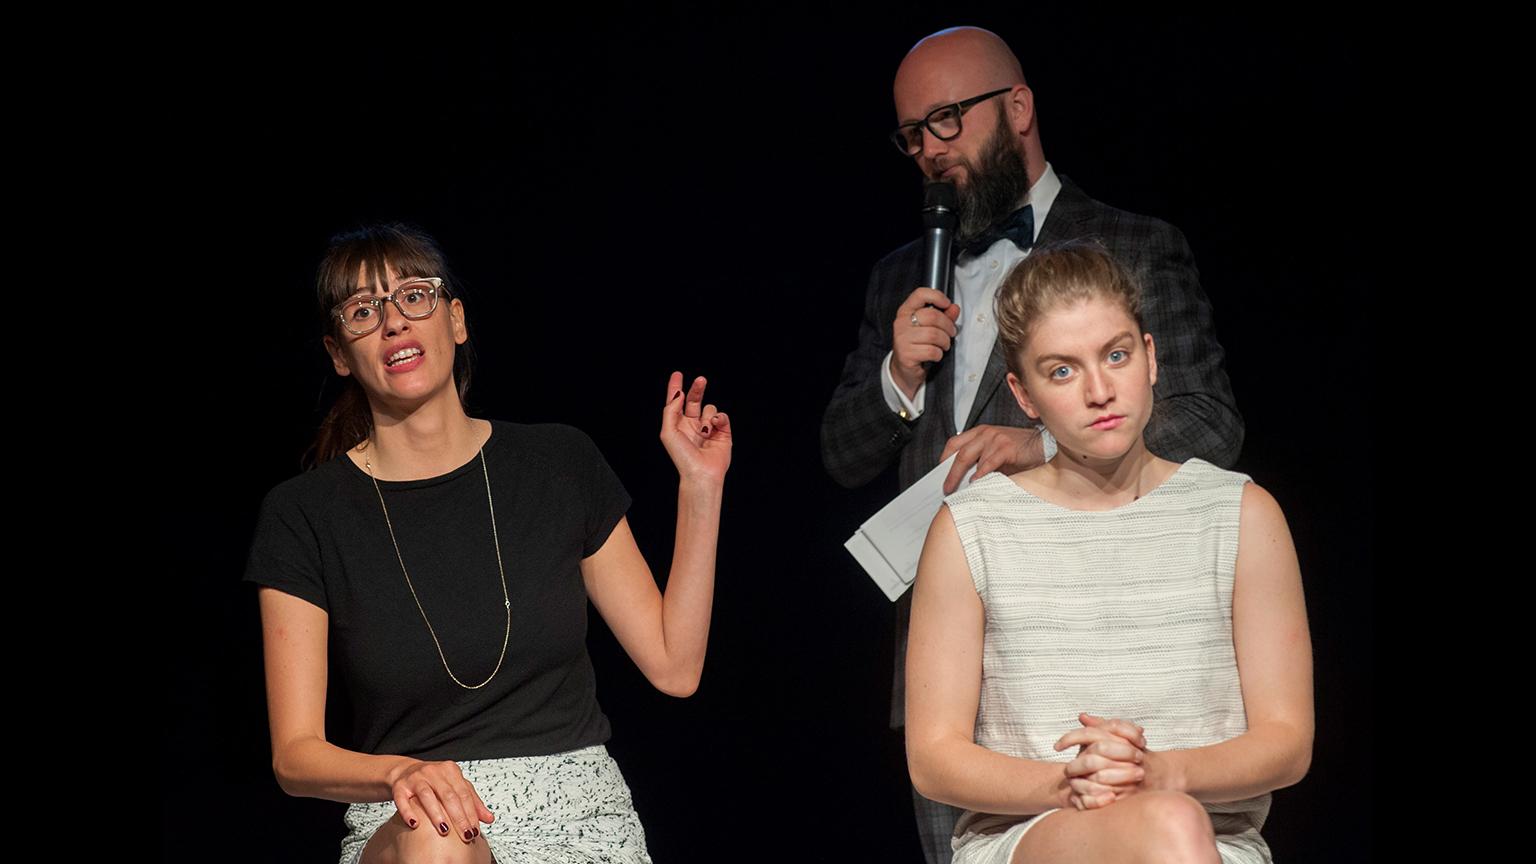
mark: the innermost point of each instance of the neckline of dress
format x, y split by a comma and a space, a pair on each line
1155, 490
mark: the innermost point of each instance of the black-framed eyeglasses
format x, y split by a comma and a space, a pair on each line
416, 298
942, 123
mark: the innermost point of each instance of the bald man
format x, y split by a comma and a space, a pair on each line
965, 115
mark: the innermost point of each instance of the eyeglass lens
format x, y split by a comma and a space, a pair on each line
943, 122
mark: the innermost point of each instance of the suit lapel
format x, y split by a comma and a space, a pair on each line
996, 372
1068, 212
943, 399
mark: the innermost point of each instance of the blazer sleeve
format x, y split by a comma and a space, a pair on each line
860, 435
1194, 413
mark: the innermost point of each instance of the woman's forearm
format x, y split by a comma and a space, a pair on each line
964, 774
315, 768
689, 596
1267, 757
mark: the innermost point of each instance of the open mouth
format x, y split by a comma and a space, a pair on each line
403, 356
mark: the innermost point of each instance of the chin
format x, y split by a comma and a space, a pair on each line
1101, 451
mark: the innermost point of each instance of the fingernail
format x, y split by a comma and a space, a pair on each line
442, 828
477, 832
704, 430
411, 822
468, 834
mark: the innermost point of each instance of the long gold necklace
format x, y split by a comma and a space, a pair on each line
506, 601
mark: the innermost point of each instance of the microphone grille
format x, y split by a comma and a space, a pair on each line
940, 202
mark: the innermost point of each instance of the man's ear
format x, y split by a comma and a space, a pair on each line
1022, 396
1151, 358
1020, 105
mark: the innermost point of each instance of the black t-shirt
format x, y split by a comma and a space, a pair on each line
321, 536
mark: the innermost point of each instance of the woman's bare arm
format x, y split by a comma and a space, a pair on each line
944, 656
294, 642
1274, 660
667, 634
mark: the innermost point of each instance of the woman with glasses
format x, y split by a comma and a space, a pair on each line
1108, 657
434, 569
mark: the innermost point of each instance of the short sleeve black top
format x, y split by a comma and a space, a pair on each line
322, 537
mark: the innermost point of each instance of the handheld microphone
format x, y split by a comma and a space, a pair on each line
940, 216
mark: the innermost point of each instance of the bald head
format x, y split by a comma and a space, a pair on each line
979, 56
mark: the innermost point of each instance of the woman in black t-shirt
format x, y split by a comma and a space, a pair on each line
439, 565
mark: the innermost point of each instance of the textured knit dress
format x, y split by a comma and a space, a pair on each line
1120, 613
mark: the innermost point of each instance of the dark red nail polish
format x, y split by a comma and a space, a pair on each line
468, 834
411, 822
442, 827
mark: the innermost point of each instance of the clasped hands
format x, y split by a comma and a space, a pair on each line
1111, 762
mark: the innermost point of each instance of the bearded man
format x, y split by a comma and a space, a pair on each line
925, 379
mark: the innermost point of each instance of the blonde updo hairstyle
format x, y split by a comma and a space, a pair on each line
1057, 275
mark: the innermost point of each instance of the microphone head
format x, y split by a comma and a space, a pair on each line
940, 205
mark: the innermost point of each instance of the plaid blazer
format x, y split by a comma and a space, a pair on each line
1193, 411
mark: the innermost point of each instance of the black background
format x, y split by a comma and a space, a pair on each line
701, 191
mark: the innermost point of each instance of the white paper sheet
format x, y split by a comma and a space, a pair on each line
889, 543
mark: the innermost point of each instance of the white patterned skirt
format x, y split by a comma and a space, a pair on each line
567, 808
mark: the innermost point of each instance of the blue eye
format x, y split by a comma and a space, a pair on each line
1119, 356
1061, 372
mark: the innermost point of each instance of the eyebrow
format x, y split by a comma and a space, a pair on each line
363, 292
924, 116
1121, 336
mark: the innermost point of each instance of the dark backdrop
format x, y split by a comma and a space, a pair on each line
708, 193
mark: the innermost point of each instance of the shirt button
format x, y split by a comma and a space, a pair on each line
971, 377
994, 263
981, 318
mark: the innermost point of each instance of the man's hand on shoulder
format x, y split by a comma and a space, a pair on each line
1008, 449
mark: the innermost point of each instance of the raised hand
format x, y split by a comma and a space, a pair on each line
696, 435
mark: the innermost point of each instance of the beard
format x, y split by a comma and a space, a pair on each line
994, 188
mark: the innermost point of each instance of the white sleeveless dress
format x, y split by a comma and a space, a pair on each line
1120, 613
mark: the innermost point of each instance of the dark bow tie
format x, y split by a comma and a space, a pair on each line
1019, 227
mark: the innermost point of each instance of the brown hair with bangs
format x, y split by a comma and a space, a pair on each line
1055, 275
372, 250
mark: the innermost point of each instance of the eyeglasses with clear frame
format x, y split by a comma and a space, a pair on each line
416, 298
942, 123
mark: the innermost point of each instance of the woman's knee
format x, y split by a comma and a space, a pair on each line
396, 842
1174, 827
